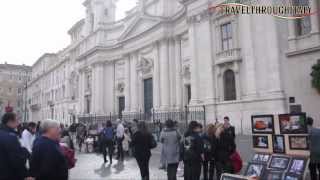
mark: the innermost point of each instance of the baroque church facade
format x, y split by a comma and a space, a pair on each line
166, 55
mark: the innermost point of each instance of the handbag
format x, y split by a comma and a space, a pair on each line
236, 161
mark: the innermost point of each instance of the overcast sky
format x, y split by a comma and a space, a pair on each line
30, 28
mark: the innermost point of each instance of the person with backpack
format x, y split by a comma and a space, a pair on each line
209, 142
314, 165
193, 152
170, 139
142, 143
107, 138
225, 148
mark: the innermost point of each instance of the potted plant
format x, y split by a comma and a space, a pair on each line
315, 74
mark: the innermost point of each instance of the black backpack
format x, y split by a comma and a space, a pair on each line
189, 153
207, 146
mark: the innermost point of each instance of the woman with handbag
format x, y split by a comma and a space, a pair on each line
142, 143
170, 138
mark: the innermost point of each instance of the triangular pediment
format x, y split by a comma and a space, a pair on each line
138, 26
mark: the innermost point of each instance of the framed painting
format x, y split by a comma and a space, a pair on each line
278, 144
299, 142
261, 158
260, 141
262, 124
293, 123
279, 163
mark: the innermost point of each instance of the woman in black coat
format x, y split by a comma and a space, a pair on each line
225, 147
142, 143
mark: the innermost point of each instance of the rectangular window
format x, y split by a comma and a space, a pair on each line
226, 37
303, 25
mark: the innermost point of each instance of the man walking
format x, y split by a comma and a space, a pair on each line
119, 139
12, 156
47, 160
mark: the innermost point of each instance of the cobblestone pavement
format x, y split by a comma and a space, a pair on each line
91, 167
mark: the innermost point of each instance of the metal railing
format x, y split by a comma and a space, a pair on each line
181, 117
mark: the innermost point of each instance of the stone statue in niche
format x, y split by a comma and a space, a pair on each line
145, 65
186, 73
120, 87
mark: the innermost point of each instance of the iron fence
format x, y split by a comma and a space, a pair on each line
181, 117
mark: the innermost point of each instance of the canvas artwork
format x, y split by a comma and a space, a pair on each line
279, 162
278, 144
273, 175
292, 177
262, 124
254, 170
293, 123
298, 142
232, 177
261, 158
297, 166
260, 141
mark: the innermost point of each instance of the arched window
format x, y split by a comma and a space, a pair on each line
229, 85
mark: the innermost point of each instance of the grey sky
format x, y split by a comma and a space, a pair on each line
30, 28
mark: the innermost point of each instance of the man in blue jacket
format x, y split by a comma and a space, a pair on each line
12, 155
47, 160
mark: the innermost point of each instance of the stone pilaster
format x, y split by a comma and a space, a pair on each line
164, 74
156, 77
178, 67
134, 83
127, 84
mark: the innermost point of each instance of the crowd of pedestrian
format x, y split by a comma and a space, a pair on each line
46, 151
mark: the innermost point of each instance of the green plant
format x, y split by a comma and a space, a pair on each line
315, 74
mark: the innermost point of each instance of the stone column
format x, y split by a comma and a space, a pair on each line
99, 88
133, 83
248, 55
315, 17
178, 68
194, 64
93, 90
156, 77
164, 75
109, 84
172, 74
127, 84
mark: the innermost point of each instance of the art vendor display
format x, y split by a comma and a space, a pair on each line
262, 124
298, 142
232, 177
278, 144
260, 141
293, 138
276, 167
293, 123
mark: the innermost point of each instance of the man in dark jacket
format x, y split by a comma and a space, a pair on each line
193, 152
228, 129
47, 160
12, 155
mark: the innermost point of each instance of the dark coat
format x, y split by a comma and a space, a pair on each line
197, 148
12, 156
209, 154
225, 147
141, 144
47, 161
